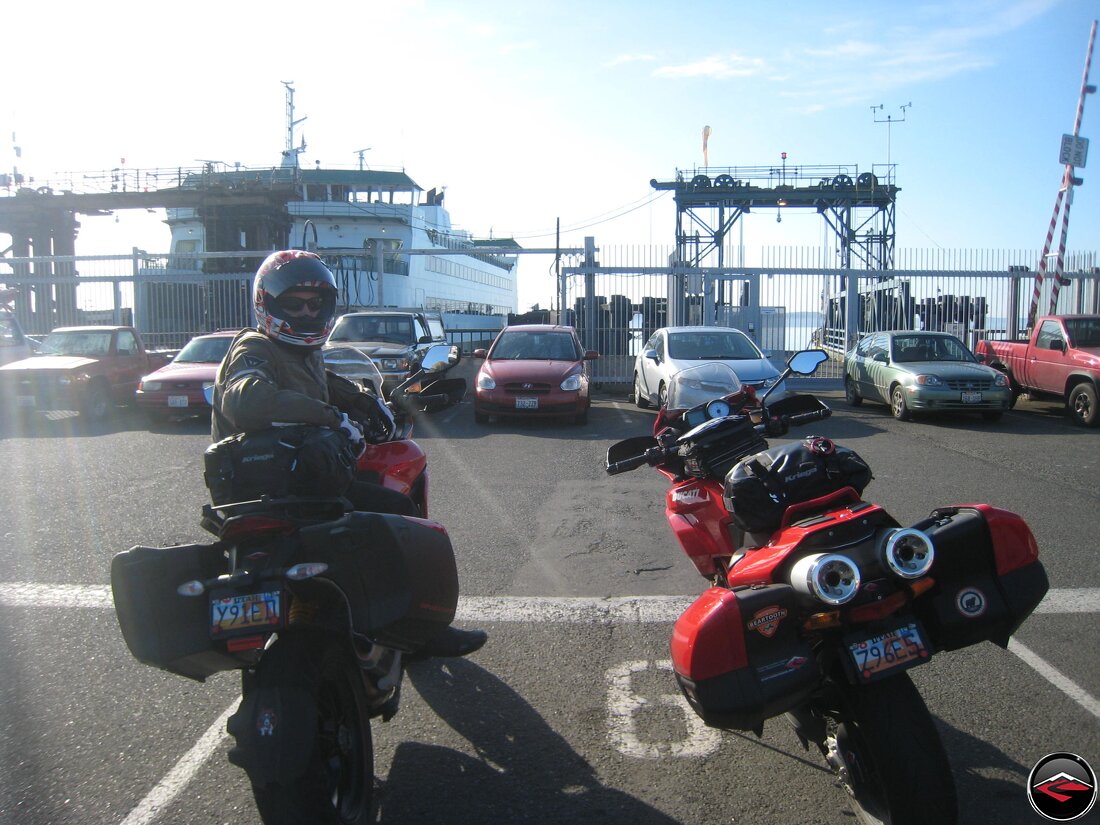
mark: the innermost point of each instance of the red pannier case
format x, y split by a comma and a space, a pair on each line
738, 658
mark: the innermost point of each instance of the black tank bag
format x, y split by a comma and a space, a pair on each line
760, 487
279, 462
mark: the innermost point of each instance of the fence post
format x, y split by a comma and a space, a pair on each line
590, 336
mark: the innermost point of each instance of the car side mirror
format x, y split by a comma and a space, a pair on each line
425, 339
651, 354
591, 355
880, 356
1058, 344
481, 353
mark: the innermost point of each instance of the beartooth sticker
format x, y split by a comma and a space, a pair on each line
1062, 787
766, 621
971, 602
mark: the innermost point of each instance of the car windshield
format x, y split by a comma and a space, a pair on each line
697, 385
535, 346
204, 350
1083, 332
909, 349
380, 328
87, 344
711, 345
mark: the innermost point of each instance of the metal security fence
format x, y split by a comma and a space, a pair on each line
797, 298
785, 298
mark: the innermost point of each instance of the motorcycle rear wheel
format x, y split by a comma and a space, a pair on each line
338, 785
887, 753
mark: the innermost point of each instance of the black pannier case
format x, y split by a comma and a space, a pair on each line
760, 487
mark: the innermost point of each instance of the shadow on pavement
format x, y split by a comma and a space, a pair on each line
524, 772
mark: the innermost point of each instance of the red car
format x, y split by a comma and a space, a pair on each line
533, 370
177, 389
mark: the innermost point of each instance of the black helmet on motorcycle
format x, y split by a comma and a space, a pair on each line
295, 319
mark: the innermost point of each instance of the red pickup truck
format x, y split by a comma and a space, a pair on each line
89, 369
1061, 360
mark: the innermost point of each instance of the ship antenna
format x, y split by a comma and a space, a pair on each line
290, 154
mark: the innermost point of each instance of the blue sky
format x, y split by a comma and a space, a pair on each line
529, 112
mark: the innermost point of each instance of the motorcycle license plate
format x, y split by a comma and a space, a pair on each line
883, 655
245, 613
972, 398
527, 403
177, 401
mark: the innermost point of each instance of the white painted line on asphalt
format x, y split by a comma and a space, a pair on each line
1069, 687
157, 800
1071, 600
563, 609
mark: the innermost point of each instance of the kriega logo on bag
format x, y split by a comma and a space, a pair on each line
1062, 787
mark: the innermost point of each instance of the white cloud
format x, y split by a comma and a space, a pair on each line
718, 68
628, 58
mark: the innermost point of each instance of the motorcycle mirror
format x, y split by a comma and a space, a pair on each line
440, 357
807, 361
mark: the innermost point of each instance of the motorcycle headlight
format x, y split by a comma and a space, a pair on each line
572, 383
909, 553
828, 577
485, 381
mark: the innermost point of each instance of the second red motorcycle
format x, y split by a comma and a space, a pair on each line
821, 602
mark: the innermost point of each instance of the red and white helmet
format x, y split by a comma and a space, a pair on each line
286, 271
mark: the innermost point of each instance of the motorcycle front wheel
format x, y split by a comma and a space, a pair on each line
338, 785
886, 752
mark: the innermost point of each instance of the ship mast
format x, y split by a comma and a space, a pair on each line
290, 154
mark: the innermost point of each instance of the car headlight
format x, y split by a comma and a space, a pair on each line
572, 383
828, 577
909, 553
64, 380
1000, 380
389, 364
929, 380
149, 386
485, 381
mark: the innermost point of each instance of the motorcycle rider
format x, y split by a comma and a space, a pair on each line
275, 373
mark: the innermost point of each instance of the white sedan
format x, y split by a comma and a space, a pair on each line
671, 349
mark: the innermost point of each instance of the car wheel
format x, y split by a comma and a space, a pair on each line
97, 403
1083, 406
853, 398
898, 407
662, 395
640, 398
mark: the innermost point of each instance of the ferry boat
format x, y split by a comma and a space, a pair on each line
388, 242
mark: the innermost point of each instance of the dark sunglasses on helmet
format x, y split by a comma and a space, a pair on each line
294, 303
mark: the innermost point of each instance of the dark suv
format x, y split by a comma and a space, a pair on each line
395, 339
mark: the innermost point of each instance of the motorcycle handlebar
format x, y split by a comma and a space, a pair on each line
651, 456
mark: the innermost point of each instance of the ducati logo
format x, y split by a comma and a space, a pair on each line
1061, 787
766, 621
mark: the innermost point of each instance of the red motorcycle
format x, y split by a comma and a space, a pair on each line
315, 604
820, 601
